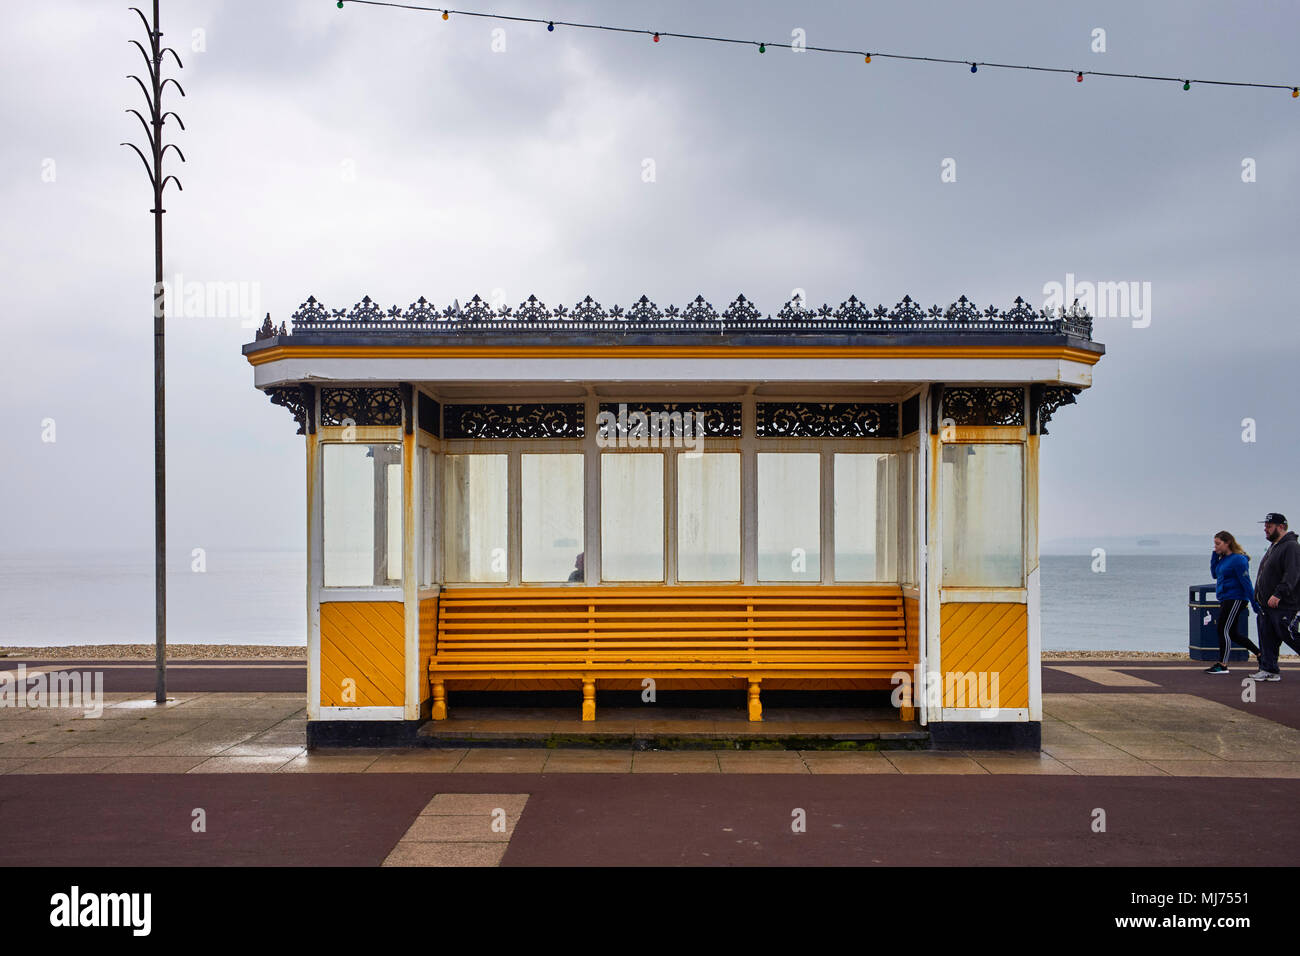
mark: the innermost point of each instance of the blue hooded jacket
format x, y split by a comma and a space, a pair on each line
1232, 577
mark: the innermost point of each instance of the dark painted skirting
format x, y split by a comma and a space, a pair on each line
363, 733
986, 735
342, 734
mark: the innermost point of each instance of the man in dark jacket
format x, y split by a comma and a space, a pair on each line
1277, 594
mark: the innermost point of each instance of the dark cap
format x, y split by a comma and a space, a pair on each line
1274, 518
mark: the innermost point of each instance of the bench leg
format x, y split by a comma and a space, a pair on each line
588, 700
439, 700
755, 705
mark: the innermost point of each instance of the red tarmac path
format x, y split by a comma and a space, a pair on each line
656, 819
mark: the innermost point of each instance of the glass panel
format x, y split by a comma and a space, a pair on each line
394, 516
866, 505
789, 516
428, 529
632, 517
474, 525
907, 516
983, 511
552, 501
708, 517
361, 488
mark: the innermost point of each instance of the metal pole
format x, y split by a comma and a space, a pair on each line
154, 132
159, 397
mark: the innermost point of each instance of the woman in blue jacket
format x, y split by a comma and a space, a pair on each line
1230, 565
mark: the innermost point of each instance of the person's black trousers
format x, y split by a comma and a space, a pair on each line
1274, 630
1234, 618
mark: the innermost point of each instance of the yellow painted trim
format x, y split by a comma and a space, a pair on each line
280, 352
984, 434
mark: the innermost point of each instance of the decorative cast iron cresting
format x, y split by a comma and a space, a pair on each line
361, 406
1044, 400
985, 406
268, 329
514, 421
666, 419
698, 316
833, 420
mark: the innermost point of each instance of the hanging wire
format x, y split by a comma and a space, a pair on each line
762, 46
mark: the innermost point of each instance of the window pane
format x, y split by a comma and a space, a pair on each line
474, 525
551, 501
361, 486
789, 517
427, 519
708, 517
983, 532
632, 517
866, 530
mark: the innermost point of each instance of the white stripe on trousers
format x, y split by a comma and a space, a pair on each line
1225, 631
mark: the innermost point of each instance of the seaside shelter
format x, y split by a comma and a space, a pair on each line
587, 499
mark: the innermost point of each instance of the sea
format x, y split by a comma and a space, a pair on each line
1139, 602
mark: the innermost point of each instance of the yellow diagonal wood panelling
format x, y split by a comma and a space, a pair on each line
428, 639
363, 641
986, 639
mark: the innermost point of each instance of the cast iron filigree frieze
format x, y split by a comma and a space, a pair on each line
1046, 399
826, 420
360, 406
713, 419
698, 315
513, 421
984, 406
292, 399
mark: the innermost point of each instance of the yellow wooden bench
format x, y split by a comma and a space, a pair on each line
592, 633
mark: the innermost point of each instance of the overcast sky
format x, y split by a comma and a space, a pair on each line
390, 153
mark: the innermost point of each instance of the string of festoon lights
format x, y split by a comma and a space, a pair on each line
762, 46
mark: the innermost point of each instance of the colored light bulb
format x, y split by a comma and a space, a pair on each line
446, 15
1295, 93
973, 68
656, 38
762, 48
1187, 85
867, 58
550, 27
1078, 77
340, 4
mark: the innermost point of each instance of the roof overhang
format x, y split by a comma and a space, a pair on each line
915, 358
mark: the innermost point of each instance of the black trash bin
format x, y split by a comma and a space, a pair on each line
1203, 619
